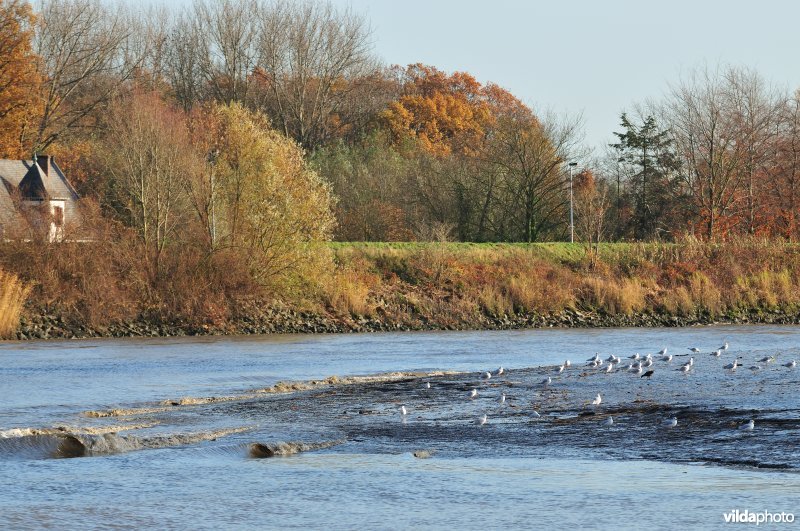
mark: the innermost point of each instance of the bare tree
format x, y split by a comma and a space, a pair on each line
82, 46
310, 55
592, 204
530, 156
705, 120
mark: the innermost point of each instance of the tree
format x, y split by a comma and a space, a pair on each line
272, 210
645, 151
707, 127
446, 114
591, 212
84, 63
147, 157
19, 77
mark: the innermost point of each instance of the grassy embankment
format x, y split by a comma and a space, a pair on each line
454, 284
379, 286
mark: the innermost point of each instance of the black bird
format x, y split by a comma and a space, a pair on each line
648, 374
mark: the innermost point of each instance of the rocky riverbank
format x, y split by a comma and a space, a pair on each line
281, 320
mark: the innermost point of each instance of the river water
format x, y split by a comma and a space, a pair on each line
173, 433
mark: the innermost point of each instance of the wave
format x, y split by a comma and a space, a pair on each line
32, 443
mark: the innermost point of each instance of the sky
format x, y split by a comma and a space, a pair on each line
597, 58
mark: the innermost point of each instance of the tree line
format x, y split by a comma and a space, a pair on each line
138, 106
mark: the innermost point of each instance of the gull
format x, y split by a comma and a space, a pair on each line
560, 369
597, 400
670, 423
694, 349
608, 422
648, 374
609, 368
483, 420
596, 357
689, 363
427, 385
724, 346
767, 359
403, 411
754, 368
732, 365
547, 381
647, 363
684, 368
473, 393
748, 426
662, 352
536, 414
638, 370
716, 353
634, 357
610, 359
487, 375
616, 360
502, 398
792, 364
667, 358
500, 371
567, 363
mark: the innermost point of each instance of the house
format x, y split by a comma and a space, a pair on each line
36, 200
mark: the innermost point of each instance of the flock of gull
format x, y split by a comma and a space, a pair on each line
643, 366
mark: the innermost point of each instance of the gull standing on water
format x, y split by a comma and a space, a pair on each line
560, 369
792, 364
716, 353
694, 349
547, 381
732, 365
567, 363
427, 385
597, 400
502, 398
473, 393
748, 426
670, 423
403, 411
487, 375
483, 420
667, 358
608, 422
500, 371
724, 346
662, 352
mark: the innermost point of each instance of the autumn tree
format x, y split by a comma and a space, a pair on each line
147, 159
19, 78
592, 204
718, 121
784, 178
272, 210
445, 114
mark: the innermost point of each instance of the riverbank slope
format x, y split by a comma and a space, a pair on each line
429, 286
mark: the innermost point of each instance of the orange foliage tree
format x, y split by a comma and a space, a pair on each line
446, 114
18, 76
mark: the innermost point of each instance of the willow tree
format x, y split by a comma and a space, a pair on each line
271, 209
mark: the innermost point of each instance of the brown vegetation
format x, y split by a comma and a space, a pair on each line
12, 296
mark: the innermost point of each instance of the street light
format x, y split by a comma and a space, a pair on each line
571, 223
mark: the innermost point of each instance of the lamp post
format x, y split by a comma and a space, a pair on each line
571, 222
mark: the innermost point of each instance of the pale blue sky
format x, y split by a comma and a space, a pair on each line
594, 57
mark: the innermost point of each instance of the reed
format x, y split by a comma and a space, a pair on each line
13, 293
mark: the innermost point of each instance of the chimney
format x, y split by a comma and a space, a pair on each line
44, 163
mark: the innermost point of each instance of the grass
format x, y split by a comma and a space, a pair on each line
470, 280
12, 297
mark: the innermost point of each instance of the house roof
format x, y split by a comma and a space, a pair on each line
33, 183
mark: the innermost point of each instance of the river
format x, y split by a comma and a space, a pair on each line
172, 433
